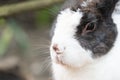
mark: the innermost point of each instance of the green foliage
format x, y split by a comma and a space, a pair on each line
12, 30
19, 35
45, 16
2, 21
5, 40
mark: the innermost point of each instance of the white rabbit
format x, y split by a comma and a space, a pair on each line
85, 41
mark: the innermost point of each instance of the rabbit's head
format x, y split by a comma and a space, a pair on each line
82, 32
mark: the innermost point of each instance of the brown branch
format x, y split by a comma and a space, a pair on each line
25, 6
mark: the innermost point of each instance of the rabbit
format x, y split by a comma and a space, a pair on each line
85, 41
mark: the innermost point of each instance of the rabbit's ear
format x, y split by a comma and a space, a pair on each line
106, 7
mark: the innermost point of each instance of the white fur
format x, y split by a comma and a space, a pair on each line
85, 3
105, 68
117, 10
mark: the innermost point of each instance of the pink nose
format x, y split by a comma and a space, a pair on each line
56, 49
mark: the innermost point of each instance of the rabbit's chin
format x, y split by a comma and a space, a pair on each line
71, 64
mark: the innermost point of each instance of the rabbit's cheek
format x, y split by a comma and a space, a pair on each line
76, 56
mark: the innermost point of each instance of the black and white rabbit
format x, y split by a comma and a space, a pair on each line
85, 41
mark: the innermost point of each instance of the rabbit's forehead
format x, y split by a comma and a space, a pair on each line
69, 18
67, 22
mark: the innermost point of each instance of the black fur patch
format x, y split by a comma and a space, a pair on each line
101, 40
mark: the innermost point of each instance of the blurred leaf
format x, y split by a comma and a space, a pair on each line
5, 40
2, 21
19, 35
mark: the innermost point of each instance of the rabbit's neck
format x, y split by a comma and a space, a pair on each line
64, 73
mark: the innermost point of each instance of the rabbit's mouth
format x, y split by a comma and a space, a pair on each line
59, 60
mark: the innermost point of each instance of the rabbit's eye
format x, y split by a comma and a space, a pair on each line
89, 27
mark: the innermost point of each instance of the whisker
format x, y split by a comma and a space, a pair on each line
53, 11
46, 64
42, 54
40, 50
41, 46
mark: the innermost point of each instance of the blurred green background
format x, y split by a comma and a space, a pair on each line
24, 36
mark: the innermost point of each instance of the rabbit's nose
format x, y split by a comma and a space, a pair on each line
57, 49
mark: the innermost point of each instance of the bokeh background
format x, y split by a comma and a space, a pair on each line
24, 38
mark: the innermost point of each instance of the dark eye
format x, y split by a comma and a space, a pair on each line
89, 27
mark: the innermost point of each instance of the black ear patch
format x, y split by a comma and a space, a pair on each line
106, 7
